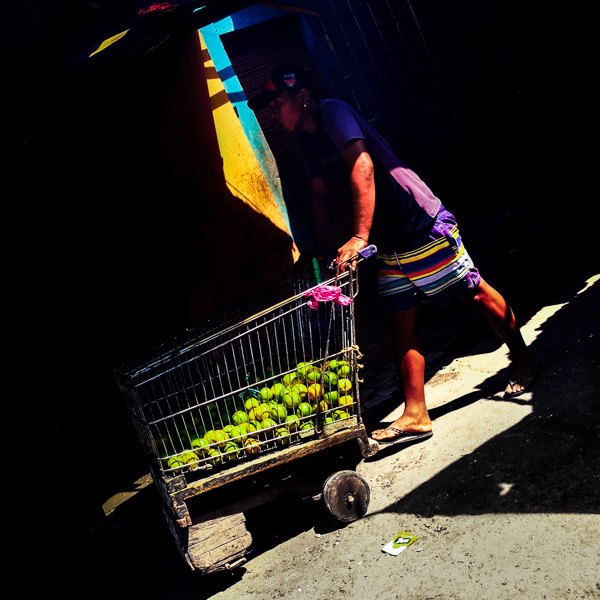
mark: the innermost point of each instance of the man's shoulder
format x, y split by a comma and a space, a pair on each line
334, 104
337, 113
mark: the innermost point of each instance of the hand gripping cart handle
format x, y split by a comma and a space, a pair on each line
366, 252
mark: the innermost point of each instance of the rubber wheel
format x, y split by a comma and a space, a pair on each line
346, 496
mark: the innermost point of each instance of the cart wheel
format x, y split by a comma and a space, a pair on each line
346, 495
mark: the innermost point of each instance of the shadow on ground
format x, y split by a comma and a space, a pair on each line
550, 461
132, 554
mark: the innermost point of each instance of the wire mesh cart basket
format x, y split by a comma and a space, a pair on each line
252, 411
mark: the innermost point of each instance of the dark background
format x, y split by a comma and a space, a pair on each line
93, 276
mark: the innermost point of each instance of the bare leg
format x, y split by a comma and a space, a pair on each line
410, 363
495, 310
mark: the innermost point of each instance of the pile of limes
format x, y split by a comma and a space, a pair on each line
272, 416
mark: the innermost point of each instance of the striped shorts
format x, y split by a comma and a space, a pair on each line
439, 267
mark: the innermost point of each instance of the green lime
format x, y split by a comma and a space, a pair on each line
302, 367
263, 409
220, 438
266, 393
304, 410
332, 397
343, 368
174, 463
251, 446
256, 413
344, 385
235, 433
330, 380
276, 389
240, 416
251, 403
267, 426
253, 428
231, 451
313, 375
243, 429
282, 436
340, 414
279, 413
301, 390
331, 365
346, 400
288, 378
292, 422
209, 436
291, 400
188, 458
200, 446
216, 458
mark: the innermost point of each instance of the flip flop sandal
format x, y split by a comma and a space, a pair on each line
533, 376
403, 437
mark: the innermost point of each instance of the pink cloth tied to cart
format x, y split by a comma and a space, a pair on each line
326, 293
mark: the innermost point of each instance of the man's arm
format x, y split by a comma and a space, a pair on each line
362, 187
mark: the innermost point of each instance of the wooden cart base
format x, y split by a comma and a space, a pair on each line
207, 516
214, 544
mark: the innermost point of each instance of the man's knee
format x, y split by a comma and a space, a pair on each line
477, 295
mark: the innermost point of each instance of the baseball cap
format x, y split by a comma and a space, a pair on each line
285, 77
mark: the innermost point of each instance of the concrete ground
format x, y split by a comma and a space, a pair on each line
504, 499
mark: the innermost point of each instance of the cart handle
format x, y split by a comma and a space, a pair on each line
366, 252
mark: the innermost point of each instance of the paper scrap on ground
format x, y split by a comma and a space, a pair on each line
400, 543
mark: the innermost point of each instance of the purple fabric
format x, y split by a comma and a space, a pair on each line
343, 124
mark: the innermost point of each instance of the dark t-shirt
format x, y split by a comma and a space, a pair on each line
404, 206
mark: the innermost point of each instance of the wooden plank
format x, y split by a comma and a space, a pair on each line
220, 539
168, 491
179, 537
367, 447
215, 543
221, 557
202, 531
211, 545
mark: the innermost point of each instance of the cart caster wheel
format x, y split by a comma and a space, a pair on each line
346, 496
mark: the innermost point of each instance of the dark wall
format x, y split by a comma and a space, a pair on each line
508, 69
124, 234
90, 251
479, 97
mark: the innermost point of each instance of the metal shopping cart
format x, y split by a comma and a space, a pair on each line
252, 411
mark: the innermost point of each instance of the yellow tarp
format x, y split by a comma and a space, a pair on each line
243, 173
